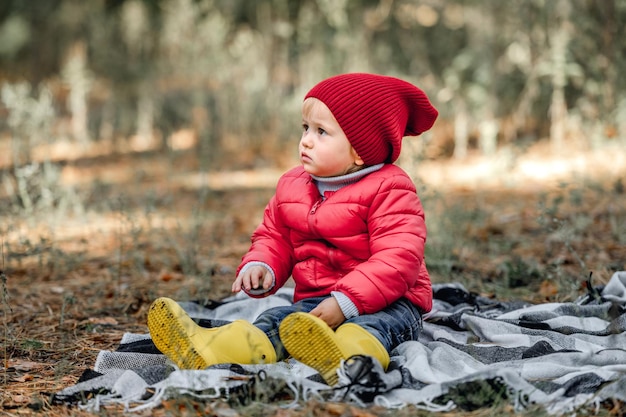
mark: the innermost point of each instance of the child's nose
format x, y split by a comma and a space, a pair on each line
306, 140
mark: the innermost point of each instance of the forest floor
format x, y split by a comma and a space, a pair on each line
81, 272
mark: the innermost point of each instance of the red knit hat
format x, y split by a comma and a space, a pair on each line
376, 112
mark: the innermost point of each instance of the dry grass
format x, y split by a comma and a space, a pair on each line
74, 282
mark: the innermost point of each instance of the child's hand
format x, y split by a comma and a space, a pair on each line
254, 278
329, 311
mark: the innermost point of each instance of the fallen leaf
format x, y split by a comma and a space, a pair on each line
24, 378
548, 289
103, 320
356, 412
19, 398
57, 290
22, 365
166, 277
334, 409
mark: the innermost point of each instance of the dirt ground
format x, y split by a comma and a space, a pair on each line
74, 281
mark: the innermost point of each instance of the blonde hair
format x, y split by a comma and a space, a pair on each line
310, 106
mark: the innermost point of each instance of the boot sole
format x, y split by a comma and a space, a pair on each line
309, 340
166, 322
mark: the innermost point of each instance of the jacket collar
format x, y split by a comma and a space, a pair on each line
325, 184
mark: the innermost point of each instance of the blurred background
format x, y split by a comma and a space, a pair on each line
227, 76
113, 112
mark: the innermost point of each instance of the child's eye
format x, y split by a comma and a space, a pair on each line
305, 127
321, 131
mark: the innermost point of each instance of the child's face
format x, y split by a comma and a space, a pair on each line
324, 149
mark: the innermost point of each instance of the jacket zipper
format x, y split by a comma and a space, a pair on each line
315, 206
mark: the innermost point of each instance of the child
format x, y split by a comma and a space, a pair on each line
347, 225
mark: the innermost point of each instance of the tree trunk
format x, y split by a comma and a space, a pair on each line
77, 77
461, 130
558, 107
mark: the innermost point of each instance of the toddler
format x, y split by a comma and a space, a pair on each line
346, 224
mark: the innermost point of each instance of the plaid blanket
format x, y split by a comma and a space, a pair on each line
474, 352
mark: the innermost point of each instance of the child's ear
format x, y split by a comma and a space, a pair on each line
357, 159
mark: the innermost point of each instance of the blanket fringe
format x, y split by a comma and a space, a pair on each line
560, 356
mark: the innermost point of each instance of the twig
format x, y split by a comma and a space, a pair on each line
5, 301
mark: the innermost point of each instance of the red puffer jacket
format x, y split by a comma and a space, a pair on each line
365, 240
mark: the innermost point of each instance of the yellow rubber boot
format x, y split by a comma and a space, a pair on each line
311, 341
190, 346
355, 340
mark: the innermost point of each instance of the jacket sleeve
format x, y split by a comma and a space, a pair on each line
397, 232
271, 245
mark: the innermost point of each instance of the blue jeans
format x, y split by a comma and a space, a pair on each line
398, 323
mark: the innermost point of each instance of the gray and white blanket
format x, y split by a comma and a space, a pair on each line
474, 352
